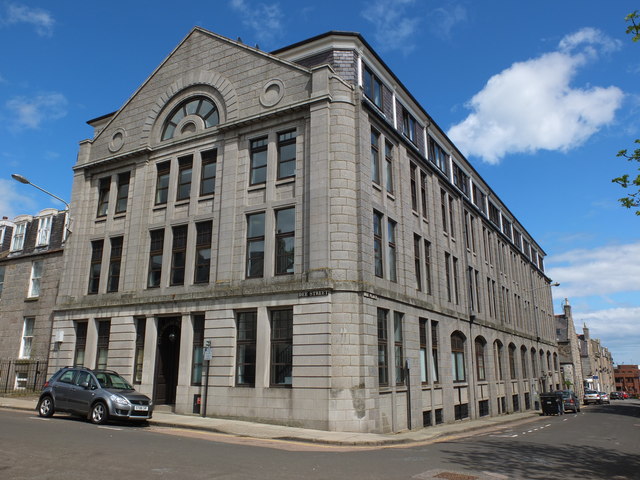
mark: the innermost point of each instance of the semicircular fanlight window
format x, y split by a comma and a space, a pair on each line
200, 106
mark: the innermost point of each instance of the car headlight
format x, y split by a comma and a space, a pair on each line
119, 400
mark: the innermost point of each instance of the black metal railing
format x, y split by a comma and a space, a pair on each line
22, 376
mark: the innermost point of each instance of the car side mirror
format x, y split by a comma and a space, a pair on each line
84, 385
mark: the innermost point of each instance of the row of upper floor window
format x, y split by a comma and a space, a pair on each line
27, 232
35, 278
176, 177
184, 251
382, 174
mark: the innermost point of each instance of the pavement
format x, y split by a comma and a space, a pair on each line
238, 428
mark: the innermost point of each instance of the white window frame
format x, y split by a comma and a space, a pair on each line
21, 381
44, 230
36, 276
17, 240
26, 344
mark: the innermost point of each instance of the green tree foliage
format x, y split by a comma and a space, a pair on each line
632, 200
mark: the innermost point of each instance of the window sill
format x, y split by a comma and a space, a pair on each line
101, 220
162, 206
391, 196
119, 216
285, 181
376, 185
259, 186
180, 203
205, 198
31, 299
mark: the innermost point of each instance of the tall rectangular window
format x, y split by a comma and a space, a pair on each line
375, 156
443, 211
258, 154
114, 264
480, 366
388, 160
155, 258
198, 349
434, 352
162, 182
2, 272
123, 192
408, 126
104, 187
246, 325
81, 344
427, 266
398, 347
208, 172
203, 252
413, 173
178, 254
185, 171
438, 156
456, 290
460, 179
417, 261
104, 330
27, 337
391, 250
44, 231
451, 217
424, 377
281, 347
285, 240
383, 356
423, 192
17, 241
377, 243
447, 273
523, 355
36, 276
141, 326
457, 358
372, 86
255, 245
287, 154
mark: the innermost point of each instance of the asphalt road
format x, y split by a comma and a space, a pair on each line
602, 442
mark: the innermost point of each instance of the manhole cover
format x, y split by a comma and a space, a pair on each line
454, 476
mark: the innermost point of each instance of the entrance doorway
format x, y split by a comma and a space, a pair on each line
167, 360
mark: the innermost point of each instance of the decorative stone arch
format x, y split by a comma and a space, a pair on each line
197, 82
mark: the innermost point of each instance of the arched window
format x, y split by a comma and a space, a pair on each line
497, 346
479, 347
457, 357
523, 355
200, 106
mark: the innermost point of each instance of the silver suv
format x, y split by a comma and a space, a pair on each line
98, 395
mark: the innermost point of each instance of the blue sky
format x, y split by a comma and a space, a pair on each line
539, 95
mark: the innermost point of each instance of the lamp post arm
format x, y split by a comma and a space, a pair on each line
51, 194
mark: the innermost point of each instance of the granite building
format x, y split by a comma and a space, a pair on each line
569, 349
293, 230
31, 250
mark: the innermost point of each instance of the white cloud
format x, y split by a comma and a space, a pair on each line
617, 329
265, 19
532, 105
31, 112
444, 19
394, 23
600, 271
13, 203
40, 19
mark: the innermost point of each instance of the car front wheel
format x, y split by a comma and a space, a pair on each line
98, 414
45, 409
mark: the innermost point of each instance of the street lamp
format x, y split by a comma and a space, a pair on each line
21, 179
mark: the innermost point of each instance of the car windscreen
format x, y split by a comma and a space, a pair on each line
112, 380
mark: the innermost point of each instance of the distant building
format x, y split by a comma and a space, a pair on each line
31, 249
300, 220
569, 351
628, 379
597, 363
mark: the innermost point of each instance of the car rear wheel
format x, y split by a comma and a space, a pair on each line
99, 413
45, 409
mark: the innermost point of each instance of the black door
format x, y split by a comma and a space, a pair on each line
167, 358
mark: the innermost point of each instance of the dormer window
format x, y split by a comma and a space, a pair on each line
44, 231
198, 106
17, 242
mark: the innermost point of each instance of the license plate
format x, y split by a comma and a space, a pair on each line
141, 408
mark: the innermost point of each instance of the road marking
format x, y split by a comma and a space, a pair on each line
40, 418
110, 428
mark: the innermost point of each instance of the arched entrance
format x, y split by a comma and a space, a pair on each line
167, 360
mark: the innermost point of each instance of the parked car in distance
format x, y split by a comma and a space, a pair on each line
591, 396
98, 395
616, 396
625, 395
570, 401
604, 398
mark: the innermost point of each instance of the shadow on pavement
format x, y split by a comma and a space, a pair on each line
526, 461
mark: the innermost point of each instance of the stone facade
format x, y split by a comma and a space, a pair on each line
569, 351
31, 250
597, 363
349, 271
